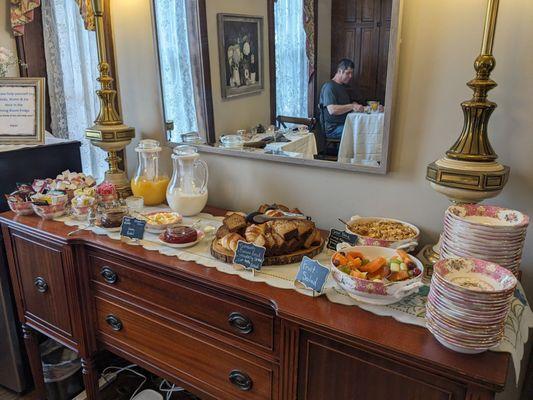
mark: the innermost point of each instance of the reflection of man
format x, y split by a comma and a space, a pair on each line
336, 101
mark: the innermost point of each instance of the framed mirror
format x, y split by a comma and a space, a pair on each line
296, 81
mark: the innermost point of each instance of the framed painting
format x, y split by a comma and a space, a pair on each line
22, 110
240, 39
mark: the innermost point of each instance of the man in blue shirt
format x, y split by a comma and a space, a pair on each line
336, 102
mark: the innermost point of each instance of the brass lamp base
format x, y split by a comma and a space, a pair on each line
111, 139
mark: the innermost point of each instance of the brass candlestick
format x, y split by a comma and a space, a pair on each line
109, 132
469, 172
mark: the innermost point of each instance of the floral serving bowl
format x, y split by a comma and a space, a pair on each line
408, 243
376, 292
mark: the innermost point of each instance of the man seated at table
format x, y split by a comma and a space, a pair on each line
335, 101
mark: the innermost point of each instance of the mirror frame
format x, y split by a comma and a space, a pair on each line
390, 93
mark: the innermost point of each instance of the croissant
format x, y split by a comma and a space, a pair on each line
253, 231
230, 241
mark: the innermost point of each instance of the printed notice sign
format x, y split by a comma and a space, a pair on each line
18, 111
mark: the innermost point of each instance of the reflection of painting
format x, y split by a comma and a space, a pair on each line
241, 54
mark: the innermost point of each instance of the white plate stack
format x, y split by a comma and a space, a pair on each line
468, 303
486, 232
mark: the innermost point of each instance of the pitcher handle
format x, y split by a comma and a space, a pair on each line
206, 170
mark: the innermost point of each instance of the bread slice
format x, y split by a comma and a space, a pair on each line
222, 231
304, 227
235, 222
286, 229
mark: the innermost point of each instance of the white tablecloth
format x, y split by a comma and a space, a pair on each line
300, 145
362, 139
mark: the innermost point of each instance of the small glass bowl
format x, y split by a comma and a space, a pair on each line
135, 203
21, 207
50, 211
232, 141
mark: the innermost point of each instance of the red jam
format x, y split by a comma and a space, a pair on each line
180, 235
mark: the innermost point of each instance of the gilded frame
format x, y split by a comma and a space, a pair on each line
37, 137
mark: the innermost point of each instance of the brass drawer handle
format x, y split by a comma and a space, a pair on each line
241, 380
109, 275
40, 284
114, 322
241, 323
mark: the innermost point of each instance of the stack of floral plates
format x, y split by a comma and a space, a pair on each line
486, 232
468, 304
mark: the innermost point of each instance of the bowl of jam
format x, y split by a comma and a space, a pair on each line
181, 236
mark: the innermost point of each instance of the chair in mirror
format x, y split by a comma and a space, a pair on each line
297, 81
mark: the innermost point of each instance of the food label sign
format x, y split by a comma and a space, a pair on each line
132, 228
336, 237
312, 275
249, 256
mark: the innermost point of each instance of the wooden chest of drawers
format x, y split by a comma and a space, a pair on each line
218, 335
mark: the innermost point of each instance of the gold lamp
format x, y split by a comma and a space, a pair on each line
109, 132
469, 172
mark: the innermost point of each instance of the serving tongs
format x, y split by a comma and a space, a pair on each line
258, 218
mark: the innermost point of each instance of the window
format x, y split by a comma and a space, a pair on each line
71, 64
292, 66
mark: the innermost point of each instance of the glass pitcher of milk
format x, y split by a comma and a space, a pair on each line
187, 191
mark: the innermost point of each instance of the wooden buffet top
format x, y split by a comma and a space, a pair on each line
382, 335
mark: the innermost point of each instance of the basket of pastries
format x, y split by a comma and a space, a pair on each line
286, 234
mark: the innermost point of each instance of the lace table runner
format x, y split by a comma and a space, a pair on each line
410, 310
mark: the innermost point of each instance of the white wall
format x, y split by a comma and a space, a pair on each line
440, 42
6, 38
246, 111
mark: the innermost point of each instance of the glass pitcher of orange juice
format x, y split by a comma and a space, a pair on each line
148, 182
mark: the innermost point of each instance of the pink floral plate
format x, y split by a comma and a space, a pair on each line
470, 274
455, 347
485, 234
486, 244
448, 289
469, 307
461, 320
491, 216
463, 336
458, 252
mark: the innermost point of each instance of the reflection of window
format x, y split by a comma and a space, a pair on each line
175, 64
292, 68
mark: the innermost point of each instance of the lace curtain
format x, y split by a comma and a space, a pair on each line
175, 64
71, 62
292, 68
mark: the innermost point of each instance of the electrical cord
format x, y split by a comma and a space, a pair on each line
170, 389
128, 368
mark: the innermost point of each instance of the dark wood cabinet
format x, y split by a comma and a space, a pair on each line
361, 32
219, 336
330, 369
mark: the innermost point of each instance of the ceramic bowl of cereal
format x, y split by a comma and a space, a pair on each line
384, 232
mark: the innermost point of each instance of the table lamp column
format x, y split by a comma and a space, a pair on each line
109, 132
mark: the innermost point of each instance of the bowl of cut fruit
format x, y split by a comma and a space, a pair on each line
376, 275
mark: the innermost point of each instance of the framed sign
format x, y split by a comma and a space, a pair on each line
22, 110
240, 44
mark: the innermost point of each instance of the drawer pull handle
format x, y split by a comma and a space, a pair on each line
241, 322
109, 275
40, 284
241, 380
114, 322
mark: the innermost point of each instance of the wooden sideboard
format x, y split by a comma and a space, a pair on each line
217, 335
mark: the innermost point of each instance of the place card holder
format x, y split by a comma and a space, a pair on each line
132, 230
336, 237
312, 276
249, 257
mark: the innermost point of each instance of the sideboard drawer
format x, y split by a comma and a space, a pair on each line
214, 311
41, 278
216, 370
